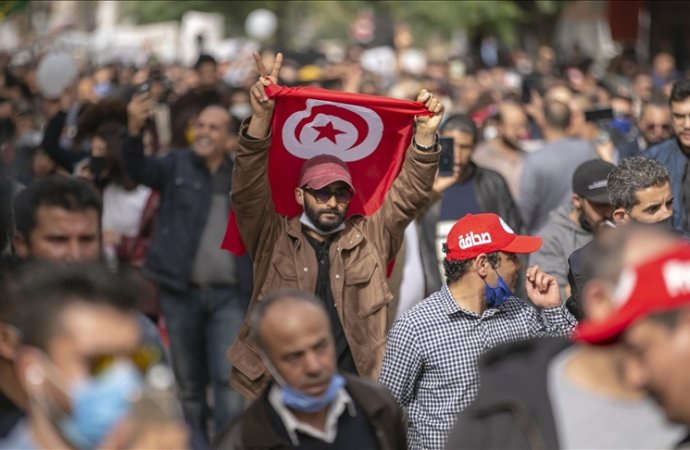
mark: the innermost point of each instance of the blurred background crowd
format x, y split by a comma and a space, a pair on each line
517, 79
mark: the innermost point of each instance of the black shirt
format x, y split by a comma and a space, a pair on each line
323, 290
9, 415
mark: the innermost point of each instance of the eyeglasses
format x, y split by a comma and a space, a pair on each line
662, 126
142, 358
323, 195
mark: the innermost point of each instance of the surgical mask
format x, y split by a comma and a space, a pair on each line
300, 401
103, 89
241, 110
622, 124
98, 404
497, 294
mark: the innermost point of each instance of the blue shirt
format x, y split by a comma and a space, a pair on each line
459, 200
430, 364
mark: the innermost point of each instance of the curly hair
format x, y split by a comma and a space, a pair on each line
631, 176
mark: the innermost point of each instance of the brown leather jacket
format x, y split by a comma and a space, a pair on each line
359, 257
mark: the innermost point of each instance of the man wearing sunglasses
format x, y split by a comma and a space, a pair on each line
80, 362
674, 153
654, 124
342, 261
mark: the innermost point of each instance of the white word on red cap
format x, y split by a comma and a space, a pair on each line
471, 240
677, 277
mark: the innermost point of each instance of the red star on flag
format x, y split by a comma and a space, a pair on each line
328, 131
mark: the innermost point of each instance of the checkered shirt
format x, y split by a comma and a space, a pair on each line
430, 364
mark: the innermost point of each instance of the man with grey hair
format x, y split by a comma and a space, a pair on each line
309, 404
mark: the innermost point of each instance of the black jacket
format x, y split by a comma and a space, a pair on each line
513, 409
492, 195
184, 183
252, 430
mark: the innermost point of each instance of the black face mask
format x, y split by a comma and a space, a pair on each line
584, 224
664, 225
97, 166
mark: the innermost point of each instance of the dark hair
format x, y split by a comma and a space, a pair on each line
66, 193
668, 318
203, 59
680, 91
557, 115
632, 175
276, 297
461, 123
454, 270
8, 301
47, 289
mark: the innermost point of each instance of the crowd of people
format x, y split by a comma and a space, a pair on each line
524, 284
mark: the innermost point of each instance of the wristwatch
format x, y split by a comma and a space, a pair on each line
423, 147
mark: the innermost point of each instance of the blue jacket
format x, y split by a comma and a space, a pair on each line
184, 183
671, 156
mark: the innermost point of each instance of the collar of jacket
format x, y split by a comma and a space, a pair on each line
198, 160
347, 239
258, 435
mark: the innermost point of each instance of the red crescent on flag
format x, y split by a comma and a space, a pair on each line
355, 119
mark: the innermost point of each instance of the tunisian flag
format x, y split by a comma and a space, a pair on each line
370, 133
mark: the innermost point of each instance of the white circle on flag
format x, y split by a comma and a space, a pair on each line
348, 132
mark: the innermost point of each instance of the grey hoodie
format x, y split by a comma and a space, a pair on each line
561, 237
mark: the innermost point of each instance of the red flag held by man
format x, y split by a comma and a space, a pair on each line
370, 133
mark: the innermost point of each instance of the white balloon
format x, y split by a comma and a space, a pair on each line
261, 24
55, 72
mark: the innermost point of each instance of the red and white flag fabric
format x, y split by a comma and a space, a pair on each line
370, 133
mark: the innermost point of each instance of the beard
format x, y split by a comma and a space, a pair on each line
326, 225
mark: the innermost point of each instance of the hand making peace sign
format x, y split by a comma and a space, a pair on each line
261, 105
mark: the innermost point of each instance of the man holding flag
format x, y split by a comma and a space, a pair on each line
324, 210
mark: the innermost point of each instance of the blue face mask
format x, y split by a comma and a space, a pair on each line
497, 294
98, 404
298, 401
622, 124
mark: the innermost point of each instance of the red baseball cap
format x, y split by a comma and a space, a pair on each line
485, 233
658, 285
322, 170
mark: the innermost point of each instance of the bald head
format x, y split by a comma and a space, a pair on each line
293, 331
282, 309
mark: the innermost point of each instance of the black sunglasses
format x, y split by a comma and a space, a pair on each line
324, 194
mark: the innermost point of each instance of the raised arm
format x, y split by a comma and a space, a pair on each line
251, 192
151, 171
410, 191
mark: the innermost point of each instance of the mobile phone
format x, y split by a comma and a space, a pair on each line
595, 115
445, 165
143, 88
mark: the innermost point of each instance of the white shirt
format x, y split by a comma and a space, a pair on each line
293, 425
122, 209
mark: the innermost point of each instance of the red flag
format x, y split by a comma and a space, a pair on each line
370, 133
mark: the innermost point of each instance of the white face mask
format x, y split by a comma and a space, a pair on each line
241, 110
